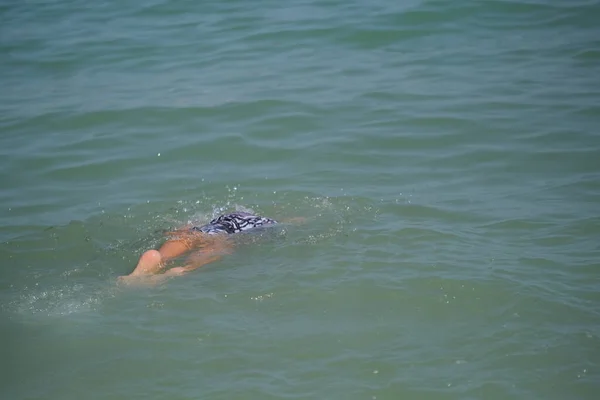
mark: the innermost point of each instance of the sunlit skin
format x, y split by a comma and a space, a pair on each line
153, 265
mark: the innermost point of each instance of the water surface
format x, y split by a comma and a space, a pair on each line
444, 154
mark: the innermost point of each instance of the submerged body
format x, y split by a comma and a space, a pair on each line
210, 241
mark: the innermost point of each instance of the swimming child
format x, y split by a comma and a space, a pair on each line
210, 242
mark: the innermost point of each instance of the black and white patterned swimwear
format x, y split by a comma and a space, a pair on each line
233, 223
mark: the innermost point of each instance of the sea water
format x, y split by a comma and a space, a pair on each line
444, 155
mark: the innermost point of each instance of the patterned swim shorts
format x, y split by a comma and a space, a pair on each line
235, 222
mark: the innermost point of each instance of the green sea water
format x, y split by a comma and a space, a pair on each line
445, 155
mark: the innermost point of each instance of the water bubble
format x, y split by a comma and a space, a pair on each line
262, 297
